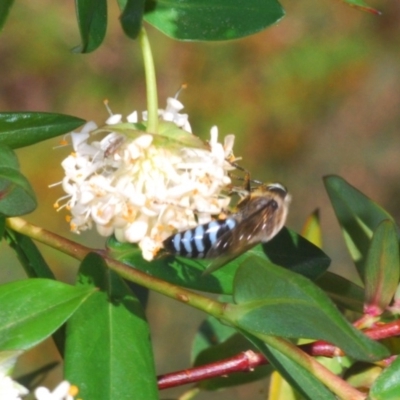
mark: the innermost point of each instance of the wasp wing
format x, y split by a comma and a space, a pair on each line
252, 229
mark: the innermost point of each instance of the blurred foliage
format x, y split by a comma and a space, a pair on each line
317, 94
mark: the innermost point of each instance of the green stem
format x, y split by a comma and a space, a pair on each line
79, 252
336, 384
151, 83
211, 307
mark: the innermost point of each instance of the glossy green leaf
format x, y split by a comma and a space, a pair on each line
358, 216
92, 21
274, 301
212, 19
342, 292
312, 229
362, 5
5, 6
131, 17
387, 385
31, 310
16, 194
29, 255
287, 249
299, 378
19, 129
108, 350
382, 269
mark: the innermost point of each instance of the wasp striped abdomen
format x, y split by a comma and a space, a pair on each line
197, 242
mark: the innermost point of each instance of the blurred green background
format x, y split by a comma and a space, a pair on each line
317, 94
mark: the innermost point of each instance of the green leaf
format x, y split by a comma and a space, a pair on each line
279, 388
131, 17
361, 5
297, 376
92, 21
342, 292
387, 385
358, 216
31, 310
108, 351
29, 255
5, 6
382, 269
287, 249
312, 229
212, 19
21, 129
274, 301
16, 194
290, 250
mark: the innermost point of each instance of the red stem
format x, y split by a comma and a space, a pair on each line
248, 360
245, 361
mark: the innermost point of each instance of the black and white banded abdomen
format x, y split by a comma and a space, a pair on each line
197, 242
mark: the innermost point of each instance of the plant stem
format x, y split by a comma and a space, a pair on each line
151, 83
336, 384
79, 252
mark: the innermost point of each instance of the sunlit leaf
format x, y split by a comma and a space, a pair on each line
312, 229
363, 375
382, 269
387, 385
212, 19
109, 332
19, 129
31, 310
16, 194
274, 301
92, 21
5, 6
358, 216
279, 389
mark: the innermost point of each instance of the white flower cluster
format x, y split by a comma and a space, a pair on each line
12, 390
139, 190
